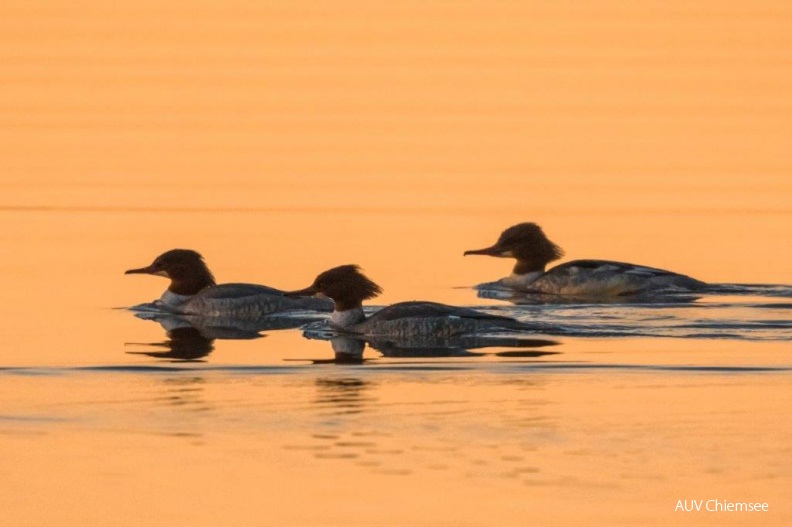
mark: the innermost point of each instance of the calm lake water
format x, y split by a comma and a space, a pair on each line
106, 419
282, 139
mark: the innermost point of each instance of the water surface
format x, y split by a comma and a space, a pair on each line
284, 138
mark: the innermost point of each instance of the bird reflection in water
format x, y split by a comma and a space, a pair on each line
184, 344
349, 348
191, 338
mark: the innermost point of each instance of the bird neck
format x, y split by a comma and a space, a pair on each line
342, 319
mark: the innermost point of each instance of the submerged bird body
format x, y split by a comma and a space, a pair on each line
193, 291
528, 244
407, 319
348, 287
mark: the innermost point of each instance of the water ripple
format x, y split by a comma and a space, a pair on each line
395, 368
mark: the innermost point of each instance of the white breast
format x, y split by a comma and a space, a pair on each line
173, 300
345, 319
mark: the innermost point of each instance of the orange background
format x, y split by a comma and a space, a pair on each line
282, 138
520, 106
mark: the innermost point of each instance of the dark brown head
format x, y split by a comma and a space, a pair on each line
528, 244
346, 285
185, 268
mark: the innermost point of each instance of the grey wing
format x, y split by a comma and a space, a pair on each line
249, 300
610, 278
611, 267
238, 291
430, 309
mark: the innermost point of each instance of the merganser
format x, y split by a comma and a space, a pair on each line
348, 287
193, 291
527, 243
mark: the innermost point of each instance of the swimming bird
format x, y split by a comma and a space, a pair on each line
348, 287
528, 244
193, 291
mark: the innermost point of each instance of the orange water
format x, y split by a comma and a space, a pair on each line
283, 138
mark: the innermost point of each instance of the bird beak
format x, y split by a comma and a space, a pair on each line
308, 291
147, 270
142, 270
489, 251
